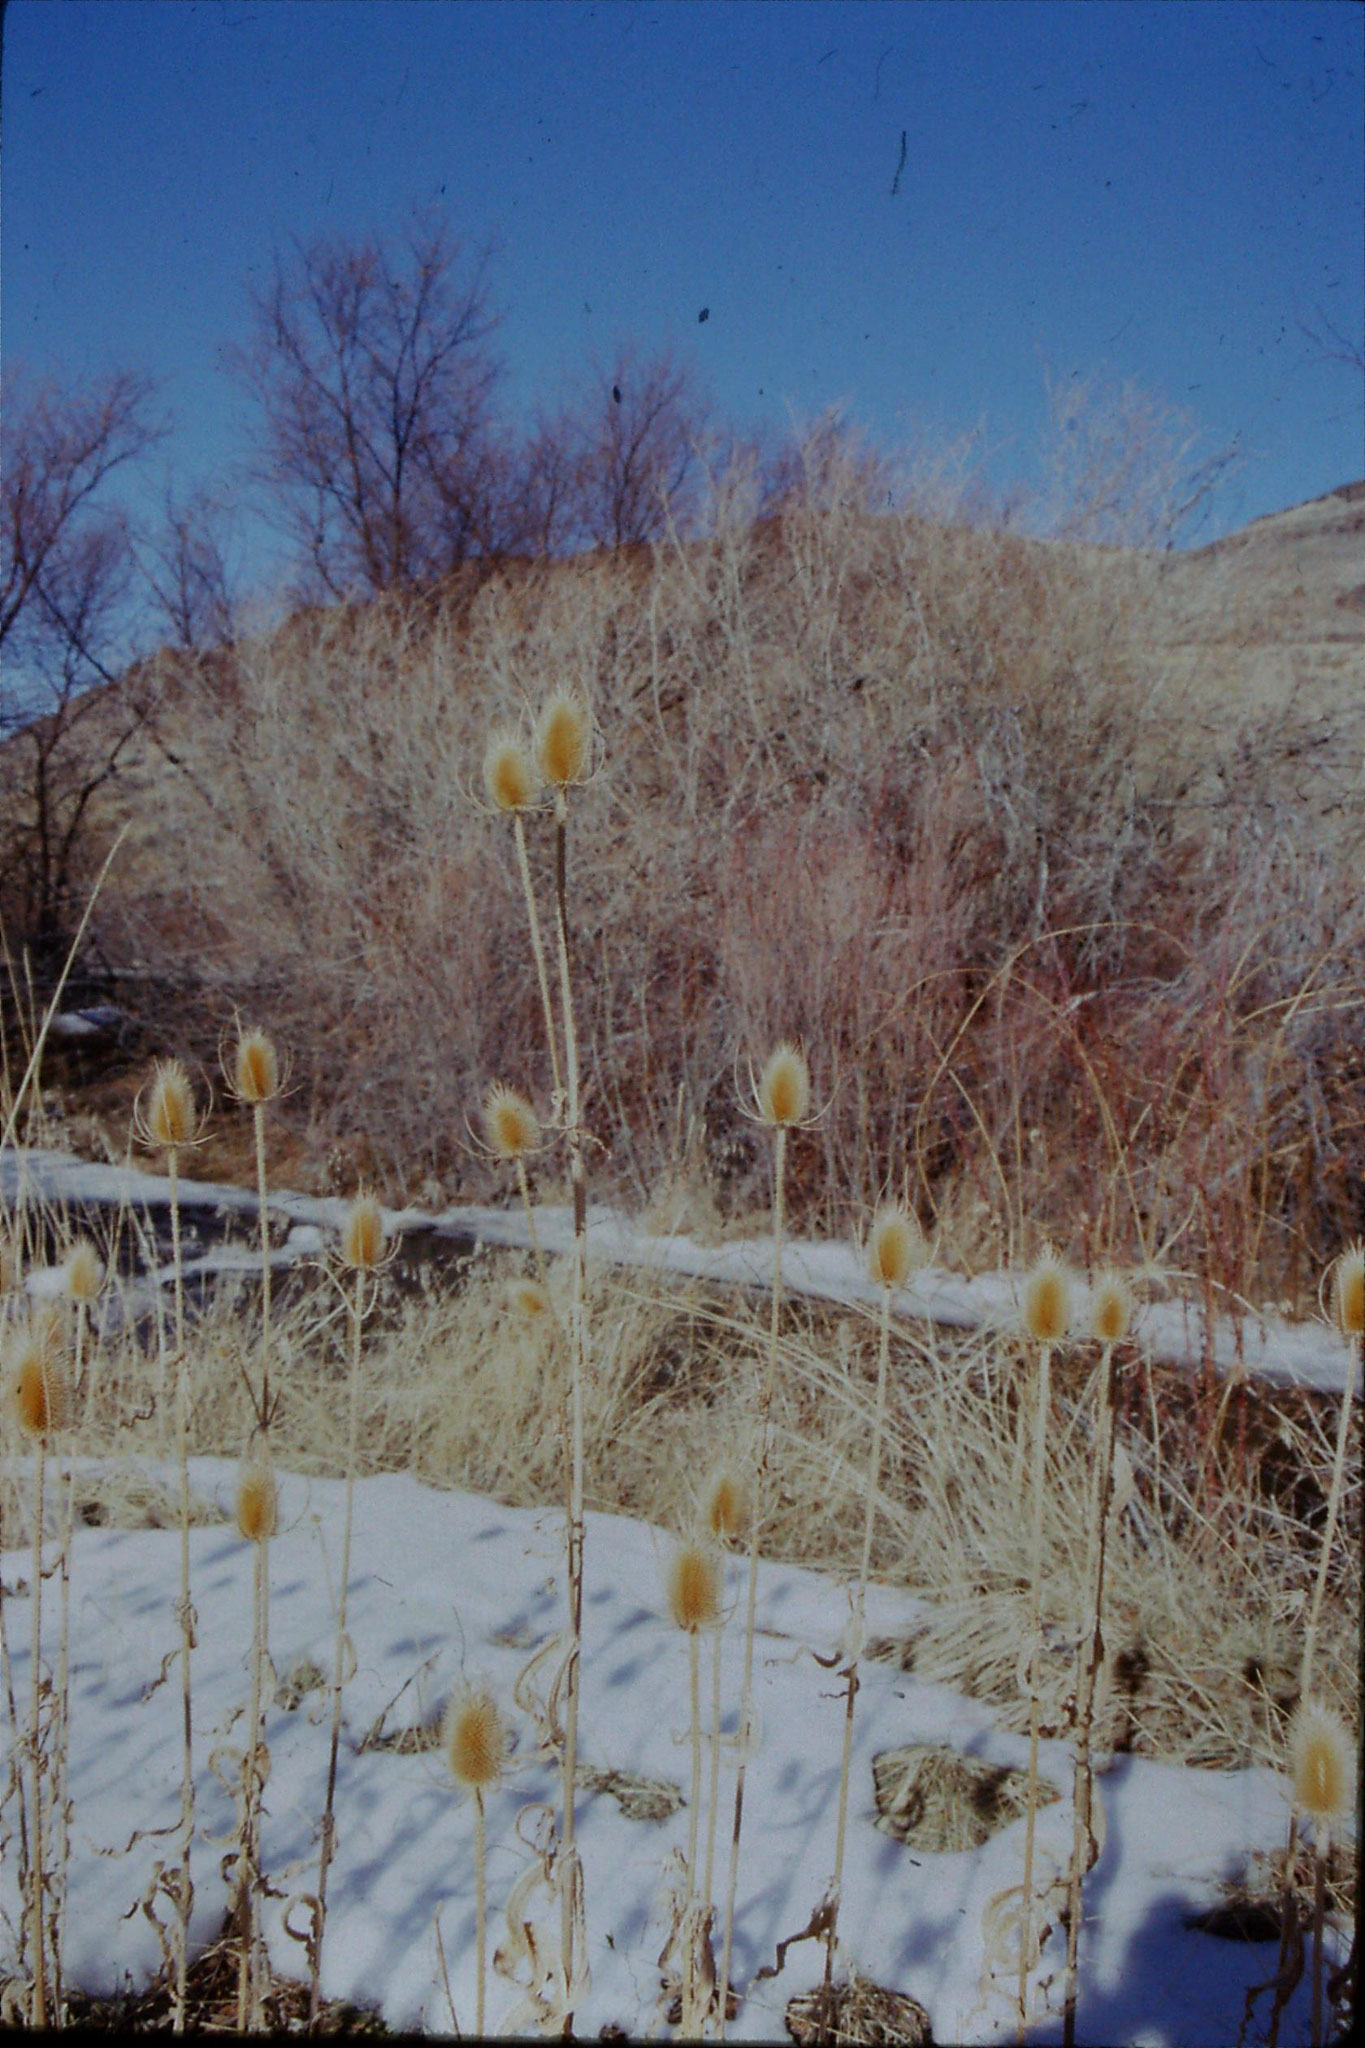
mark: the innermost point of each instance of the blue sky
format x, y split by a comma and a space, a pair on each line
1157, 192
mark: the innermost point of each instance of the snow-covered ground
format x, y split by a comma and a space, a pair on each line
1263, 1343
447, 1587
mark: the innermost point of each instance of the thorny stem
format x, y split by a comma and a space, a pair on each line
765, 1401
1092, 1654
36, 1872
1035, 1649
357, 1308
578, 1353
860, 1608
538, 950
184, 1887
480, 1906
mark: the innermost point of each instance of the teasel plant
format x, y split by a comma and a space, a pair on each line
256, 1510
563, 758
512, 1134
1111, 1316
513, 785
363, 1254
84, 1274
474, 1739
724, 1519
694, 1593
40, 1400
895, 1248
168, 1122
781, 1103
1322, 1768
254, 1080
1045, 1311
1344, 1288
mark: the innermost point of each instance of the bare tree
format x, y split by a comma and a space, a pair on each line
67, 579
186, 565
374, 376
620, 458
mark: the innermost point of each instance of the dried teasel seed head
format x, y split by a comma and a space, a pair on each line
1046, 1307
84, 1271
562, 740
1348, 1291
170, 1119
1322, 1762
256, 1068
1111, 1309
528, 1299
784, 1086
510, 1122
508, 775
362, 1234
694, 1588
257, 1505
39, 1389
894, 1247
725, 1510
474, 1738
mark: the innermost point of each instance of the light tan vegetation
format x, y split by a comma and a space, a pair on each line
1213, 1553
1073, 942
886, 800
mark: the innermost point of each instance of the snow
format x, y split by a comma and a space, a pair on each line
1260, 1342
449, 1587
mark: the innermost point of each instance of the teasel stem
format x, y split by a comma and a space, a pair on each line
36, 1870
480, 1900
185, 1611
1092, 1654
1035, 1634
248, 1968
713, 1784
765, 1402
258, 1122
537, 948
860, 1608
578, 1355
357, 1317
